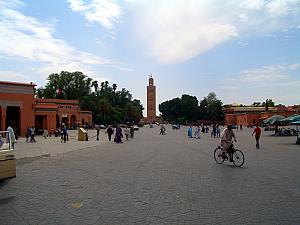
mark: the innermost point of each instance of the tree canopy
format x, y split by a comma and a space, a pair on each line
108, 105
267, 103
188, 109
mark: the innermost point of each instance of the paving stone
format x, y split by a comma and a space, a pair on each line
153, 179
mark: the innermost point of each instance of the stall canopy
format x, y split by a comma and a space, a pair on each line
273, 119
297, 122
291, 119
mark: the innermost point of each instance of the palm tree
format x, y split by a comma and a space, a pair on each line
114, 87
95, 85
102, 86
106, 84
104, 107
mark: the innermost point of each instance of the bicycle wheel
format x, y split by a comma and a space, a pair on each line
218, 155
238, 158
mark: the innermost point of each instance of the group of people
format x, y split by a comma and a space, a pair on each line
30, 133
204, 129
215, 131
128, 131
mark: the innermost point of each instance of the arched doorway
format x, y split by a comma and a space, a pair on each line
13, 117
65, 120
73, 122
57, 121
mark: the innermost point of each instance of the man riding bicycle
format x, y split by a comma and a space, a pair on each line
226, 140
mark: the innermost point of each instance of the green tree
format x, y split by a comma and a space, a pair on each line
114, 87
268, 103
187, 109
107, 104
171, 110
203, 109
214, 108
256, 104
104, 108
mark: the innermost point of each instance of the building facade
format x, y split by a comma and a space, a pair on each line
17, 105
151, 101
249, 115
21, 109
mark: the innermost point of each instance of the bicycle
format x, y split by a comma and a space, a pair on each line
238, 158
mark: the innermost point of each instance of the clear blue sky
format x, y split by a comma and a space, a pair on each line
243, 50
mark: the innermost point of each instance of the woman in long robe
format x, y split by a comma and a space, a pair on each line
119, 135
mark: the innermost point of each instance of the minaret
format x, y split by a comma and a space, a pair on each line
151, 101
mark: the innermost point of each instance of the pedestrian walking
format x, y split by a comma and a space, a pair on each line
32, 132
16, 134
28, 134
11, 138
190, 132
127, 133
162, 130
1, 141
131, 132
45, 133
214, 130
98, 131
206, 129
109, 131
197, 132
203, 129
51, 132
64, 134
118, 135
257, 132
218, 132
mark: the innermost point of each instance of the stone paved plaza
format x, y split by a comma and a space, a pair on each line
152, 179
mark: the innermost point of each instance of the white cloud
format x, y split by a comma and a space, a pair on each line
122, 68
28, 39
6, 75
257, 84
56, 68
295, 66
265, 77
178, 32
104, 12
252, 4
266, 74
175, 31
280, 7
244, 17
241, 43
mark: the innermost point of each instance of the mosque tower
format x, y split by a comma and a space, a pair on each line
151, 101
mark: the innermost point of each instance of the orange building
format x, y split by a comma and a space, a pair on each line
19, 107
249, 115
